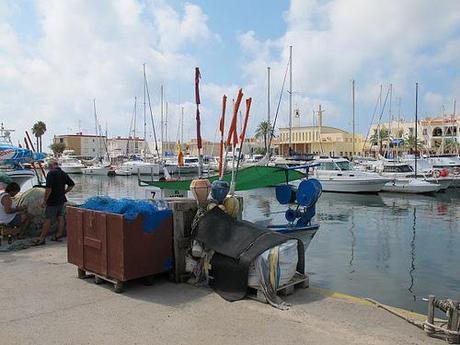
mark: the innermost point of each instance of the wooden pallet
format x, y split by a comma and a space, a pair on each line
299, 281
118, 285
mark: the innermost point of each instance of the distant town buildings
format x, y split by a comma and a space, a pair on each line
437, 134
319, 140
90, 146
84, 145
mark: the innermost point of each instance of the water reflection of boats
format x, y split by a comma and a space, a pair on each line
337, 200
410, 200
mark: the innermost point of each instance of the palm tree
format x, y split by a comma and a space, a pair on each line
264, 130
379, 136
409, 144
39, 130
57, 148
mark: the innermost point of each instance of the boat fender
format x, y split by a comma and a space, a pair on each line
232, 205
436, 173
219, 190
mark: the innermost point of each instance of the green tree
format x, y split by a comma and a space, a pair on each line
450, 145
38, 130
57, 148
378, 137
264, 130
409, 144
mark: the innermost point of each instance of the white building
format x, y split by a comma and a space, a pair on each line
436, 133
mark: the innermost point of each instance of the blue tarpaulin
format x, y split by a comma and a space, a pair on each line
152, 213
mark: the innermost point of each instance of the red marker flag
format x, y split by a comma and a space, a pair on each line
246, 116
232, 130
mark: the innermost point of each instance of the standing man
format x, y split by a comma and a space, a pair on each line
58, 184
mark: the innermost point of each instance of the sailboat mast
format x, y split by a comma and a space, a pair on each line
268, 94
182, 126
416, 126
145, 113
353, 134
134, 126
290, 97
161, 120
96, 126
166, 127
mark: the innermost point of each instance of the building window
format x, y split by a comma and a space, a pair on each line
61, 140
437, 132
94, 150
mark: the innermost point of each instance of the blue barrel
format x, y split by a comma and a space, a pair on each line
285, 194
308, 192
219, 190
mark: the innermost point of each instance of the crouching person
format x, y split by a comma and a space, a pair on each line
10, 214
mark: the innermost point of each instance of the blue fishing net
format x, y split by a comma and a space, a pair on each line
152, 212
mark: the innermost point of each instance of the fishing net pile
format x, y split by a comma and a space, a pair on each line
153, 213
33, 199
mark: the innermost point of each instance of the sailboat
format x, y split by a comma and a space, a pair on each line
101, 167
411, 185
246, 178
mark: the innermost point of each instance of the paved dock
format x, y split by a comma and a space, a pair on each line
43, 302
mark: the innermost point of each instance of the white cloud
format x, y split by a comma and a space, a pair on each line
397, 42
95, 49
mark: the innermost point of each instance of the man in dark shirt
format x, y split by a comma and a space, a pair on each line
58, 184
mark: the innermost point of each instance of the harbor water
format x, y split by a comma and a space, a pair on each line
394, 248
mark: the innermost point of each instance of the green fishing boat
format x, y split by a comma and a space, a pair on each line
248, 178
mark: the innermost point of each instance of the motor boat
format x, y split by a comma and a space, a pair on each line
404, 180
123, 172
141, 167
338, 175
70, 164
20, 176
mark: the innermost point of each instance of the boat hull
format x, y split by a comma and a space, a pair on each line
352, 186
147, 169
411, 187
247, 178
21, 177
96, 171
72, 170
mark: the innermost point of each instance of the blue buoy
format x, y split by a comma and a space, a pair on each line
308, 192
219, 190
285, 194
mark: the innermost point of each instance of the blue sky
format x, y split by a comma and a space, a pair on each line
56, 56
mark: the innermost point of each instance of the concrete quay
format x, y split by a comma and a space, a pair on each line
43, 302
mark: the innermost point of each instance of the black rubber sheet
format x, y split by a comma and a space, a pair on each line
236, 245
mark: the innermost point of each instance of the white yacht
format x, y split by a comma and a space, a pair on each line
20, 176
403, 179
338, 175
70, 164
140, 167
